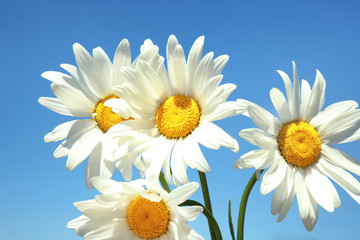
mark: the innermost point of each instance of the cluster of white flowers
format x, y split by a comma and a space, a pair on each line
143, 114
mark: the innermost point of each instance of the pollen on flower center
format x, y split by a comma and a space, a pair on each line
299, 143
105, 117
148, 219
178, 116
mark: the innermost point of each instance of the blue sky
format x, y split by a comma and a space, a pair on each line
259, 36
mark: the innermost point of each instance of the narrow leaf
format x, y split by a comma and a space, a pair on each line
212, 222
230, 222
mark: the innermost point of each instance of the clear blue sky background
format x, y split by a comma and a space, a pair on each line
260, 37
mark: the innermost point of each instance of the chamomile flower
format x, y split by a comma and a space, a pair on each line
173, 111
82, 94
131, 211
296, 147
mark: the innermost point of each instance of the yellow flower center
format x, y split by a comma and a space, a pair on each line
105, 117
148, 219
178, 116
299, 143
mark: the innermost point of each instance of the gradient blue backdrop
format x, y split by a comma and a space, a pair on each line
260, 37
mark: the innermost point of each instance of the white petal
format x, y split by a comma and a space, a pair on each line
60, 132
194, 57
119, 106
62, 150
148, 44
103, 68
163, 149
212, 136
70, 69
217, 97
180, 81
184, 192
249, 133
178, 165
104, 212
224, 110
202, 74
170, 49
295, 103
124, 165
106, 185
83, 147
307, 205
251, 159
317, 97
282, 193
280, 105
355, 136
321, 189
156, 89
265, 141
78, 104
87, 70
130, 92
264, 120
288, 86
166, 167
95, 229
186, 232
77, 222
340, 176
332, 111
55, 105
274, 176
208, 89
81, 83
61, 79
354, 196
193, 156
97, 165
122, 58
341, 159
78, 129
244, 106
305, 96
286, 206
191, 212
343, 126
219, 64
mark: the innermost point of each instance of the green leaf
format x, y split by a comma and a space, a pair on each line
163, 182
206, 195
230, 222
212, 222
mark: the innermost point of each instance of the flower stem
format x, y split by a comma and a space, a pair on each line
244, 199
206, 195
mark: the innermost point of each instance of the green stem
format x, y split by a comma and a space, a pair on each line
206, 195
163, 182
244, 199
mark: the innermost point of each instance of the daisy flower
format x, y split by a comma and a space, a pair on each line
82, 94
296, 147
131, 211
173, 111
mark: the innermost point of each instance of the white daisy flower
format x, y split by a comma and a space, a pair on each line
296, 149
173, 111
130, 211
83, 95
